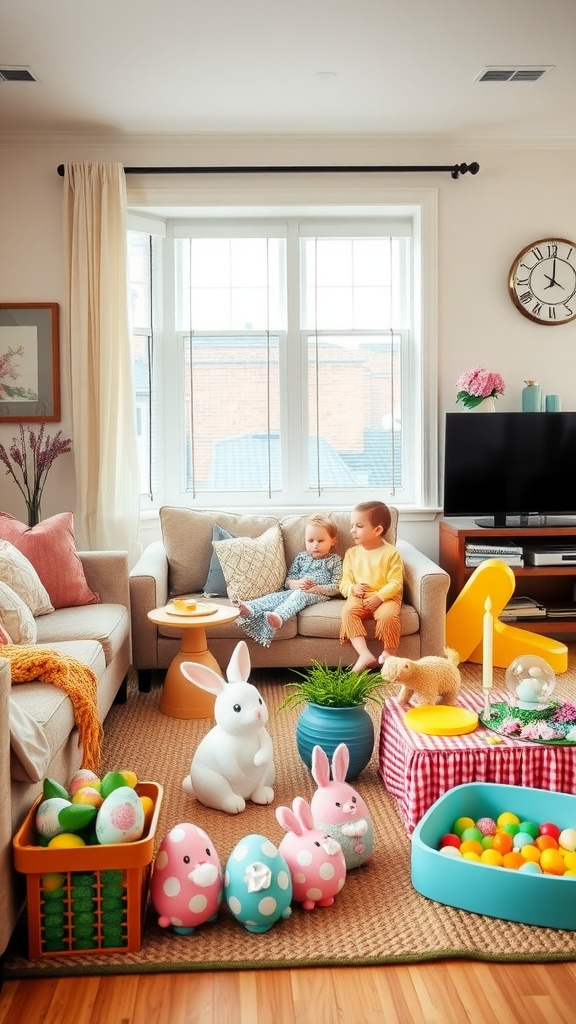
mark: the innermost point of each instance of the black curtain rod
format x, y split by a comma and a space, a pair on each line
455, 169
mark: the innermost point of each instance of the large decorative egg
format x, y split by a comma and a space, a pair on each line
47, 823
120, 818
257, 883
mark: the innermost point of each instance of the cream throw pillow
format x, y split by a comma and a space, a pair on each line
18, 572
253, 566
16, 617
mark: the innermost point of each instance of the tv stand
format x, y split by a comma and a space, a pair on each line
552, 585
532, 522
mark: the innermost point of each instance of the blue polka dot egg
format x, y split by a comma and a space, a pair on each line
257, 884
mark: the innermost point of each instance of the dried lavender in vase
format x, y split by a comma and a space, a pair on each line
29, 462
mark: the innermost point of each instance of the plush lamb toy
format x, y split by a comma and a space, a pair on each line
235, 760
430, 678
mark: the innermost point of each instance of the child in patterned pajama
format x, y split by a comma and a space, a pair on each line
313, 577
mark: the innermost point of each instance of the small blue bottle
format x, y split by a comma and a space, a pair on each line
532, 397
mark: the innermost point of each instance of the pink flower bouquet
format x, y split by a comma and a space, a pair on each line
476, 385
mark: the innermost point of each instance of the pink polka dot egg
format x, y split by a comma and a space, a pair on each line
121, 817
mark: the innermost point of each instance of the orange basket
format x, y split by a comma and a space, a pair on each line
90, 899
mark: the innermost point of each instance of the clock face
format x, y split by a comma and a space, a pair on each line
542, 281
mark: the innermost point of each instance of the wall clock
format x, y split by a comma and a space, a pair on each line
542, 281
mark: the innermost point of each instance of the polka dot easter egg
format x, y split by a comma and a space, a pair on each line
186, 885
257, 884
315, 859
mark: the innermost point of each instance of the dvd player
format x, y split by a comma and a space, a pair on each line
550, 554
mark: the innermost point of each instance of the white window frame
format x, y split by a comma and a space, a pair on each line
420, 205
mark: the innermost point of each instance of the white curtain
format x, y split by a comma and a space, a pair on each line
100, 371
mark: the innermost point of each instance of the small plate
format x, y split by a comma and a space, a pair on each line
202, 608
441, 720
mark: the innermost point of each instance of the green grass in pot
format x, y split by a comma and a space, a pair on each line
334, 687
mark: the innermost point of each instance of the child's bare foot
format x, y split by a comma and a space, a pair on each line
364, 661
243, 609
273, 620
385, 654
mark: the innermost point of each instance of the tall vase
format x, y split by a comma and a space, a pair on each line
34, 512
327, 727
486, 405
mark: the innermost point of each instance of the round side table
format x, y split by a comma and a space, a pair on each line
181, 698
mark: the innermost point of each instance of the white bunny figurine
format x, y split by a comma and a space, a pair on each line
338, 808
235, 760
315, 859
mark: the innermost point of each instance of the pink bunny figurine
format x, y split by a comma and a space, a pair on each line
315, 859
234, 762
186, 887
337, 808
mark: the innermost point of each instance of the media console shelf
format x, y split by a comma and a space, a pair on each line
552, 585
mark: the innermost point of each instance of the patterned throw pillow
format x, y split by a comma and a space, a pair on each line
253, 566
51, 548
19, 573
16, 617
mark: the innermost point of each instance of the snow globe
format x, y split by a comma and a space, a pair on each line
530, 681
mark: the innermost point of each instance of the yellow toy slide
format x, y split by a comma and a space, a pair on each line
495, 579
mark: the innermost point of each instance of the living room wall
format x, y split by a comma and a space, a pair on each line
522, 193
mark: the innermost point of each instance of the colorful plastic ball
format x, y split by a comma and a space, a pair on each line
487, 842
545, 842
567, 839
450, 851
491, 857
570, 861
511, 827
507, 818
530, 827
471, 833
461, 823
523, 839
548, 828
471, 855
552, 862
450, 839
502, 842
487, 826
471, 846
531, 853
66, 841
529, 867
513, 860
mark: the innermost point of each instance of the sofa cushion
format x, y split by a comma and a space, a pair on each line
51, 548
49, 706
18, 572
253, 566
294, 528
16, 617
187, 537
106, 623
323, 620
215, 584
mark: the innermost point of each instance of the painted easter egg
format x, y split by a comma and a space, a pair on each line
186, 885
257, 883
47, 823
121, 817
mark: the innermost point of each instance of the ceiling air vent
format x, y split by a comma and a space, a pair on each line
17, 73
512, 74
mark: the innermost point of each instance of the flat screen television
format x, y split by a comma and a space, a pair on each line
515, 468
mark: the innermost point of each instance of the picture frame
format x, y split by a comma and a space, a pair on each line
29, 362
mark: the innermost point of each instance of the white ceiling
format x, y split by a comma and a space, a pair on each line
297, 66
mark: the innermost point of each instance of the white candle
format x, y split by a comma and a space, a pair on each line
487, 645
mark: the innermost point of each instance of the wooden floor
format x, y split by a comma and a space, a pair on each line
445, 992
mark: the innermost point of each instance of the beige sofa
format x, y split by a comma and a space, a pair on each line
180, 563
38, 738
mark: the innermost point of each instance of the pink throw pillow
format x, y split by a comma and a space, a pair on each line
51, 548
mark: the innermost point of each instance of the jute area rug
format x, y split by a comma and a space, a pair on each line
378, 918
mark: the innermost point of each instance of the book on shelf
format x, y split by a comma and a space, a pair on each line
515, 561
561, 611
501, 547
522, 608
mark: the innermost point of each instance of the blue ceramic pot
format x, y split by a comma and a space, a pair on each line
327, 727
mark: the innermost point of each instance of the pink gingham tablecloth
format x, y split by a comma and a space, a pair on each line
417, 769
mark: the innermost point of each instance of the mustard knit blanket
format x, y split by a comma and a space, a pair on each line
36, 664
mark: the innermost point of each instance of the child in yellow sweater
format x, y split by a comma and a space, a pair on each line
372, 583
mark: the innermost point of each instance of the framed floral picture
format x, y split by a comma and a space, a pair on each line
29, 362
